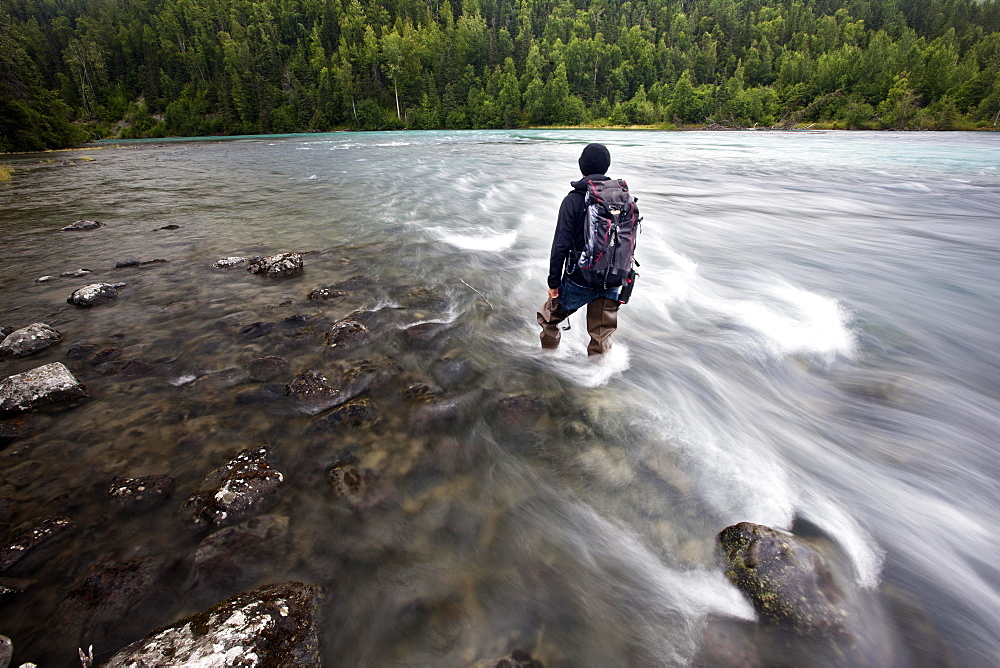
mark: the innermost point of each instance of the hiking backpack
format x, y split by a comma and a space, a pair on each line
610, 226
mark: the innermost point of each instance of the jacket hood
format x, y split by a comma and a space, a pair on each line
581, 185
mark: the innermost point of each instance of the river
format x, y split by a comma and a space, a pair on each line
813, 341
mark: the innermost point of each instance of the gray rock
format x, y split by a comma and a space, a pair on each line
141, 492
789, 583
313, 393
94, 294
802, 586
44, 385
277, 266
235, 490
81, 226
269, 367
5, 332
29, 340
76, 273
237, 555
271, 626
234, 261
6, 651
346, 334
31, 537
43, 279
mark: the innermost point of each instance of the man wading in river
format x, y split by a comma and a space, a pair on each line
591, 257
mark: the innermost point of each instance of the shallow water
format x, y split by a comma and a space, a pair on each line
813, 336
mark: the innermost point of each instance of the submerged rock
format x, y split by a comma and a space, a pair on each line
354, 413
236, 555
271, 626
346, 333
76, 273
94, 294
30, 537
9, 589
269, 367
42, 386
325, 293
425, 334
125, 264
168, 227
234, 261
13, 430
43, 279
277, 266
313, 392
362, 488
141, 492
255, 330
29, 340
234, 490
82, 226
112, 596
517, 659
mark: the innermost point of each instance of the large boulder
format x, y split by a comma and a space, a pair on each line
94, 294
235, 490
277, 266
29, 340
82, 226
44, 385
788, 582
271, 626
30, 537
802, 586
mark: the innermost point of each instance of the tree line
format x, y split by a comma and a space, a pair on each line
72, 70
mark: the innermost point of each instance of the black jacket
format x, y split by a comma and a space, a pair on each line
568, 240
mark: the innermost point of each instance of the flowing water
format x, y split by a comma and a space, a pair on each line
813, 342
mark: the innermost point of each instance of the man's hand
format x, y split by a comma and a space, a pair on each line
553, 293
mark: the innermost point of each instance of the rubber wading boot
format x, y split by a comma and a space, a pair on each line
602, 320
549, 317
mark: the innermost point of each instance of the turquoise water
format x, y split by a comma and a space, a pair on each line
813, 336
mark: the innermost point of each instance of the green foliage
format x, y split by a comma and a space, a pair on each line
151, 68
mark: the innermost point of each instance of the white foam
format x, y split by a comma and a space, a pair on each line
183, 380
570, 360
794, 320
480, 242
865, 554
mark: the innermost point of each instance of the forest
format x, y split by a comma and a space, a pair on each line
76, 70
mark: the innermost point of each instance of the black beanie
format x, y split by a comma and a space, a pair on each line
595, 159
